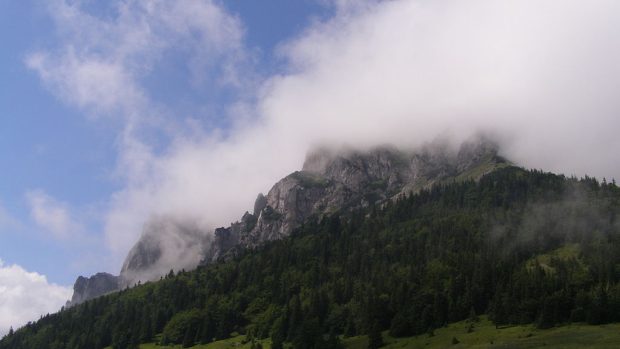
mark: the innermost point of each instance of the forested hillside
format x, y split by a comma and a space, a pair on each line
520, 246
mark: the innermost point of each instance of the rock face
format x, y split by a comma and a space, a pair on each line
329, 182
335, 181
94, 286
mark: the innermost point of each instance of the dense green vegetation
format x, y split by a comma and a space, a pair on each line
524, 247
469, 334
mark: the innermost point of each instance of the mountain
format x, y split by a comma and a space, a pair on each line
330, 181
165, 243
520, 247
94, 286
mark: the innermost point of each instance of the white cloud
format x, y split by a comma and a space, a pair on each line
24, 296
541, 74
100, 66
101, 61
52, 215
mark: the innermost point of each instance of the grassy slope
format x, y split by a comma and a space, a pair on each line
484, 335
487, 165
235, 342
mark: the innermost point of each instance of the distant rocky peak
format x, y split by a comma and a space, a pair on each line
166, 243
475, 150
88, 288
323, 160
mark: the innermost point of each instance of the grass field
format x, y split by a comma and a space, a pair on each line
235, 342
484, 335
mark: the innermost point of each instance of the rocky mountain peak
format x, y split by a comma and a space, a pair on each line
476, 151
259, 204
165, 243
88, 288
330, 181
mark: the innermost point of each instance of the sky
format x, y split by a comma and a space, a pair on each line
113, 113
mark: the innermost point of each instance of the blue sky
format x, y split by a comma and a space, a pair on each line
43, 144
48, 145
114, 113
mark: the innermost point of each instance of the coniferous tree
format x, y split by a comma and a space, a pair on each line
375, 339
400, 326
188, 338
438, 254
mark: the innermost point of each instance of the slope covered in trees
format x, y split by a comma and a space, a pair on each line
521, 246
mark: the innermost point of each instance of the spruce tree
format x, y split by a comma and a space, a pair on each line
188, 339
400, 326
375, 340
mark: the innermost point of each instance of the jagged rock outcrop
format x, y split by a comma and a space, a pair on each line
333, 181
330, 181
88, 288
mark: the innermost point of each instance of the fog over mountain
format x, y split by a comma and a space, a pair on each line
540, 77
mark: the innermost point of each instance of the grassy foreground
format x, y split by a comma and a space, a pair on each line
484, 335
235, 342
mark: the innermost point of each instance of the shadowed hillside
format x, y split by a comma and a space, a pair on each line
524, 247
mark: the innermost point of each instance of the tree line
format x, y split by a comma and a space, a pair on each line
520, 246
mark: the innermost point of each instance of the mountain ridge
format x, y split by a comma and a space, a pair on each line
329, 181
522, 246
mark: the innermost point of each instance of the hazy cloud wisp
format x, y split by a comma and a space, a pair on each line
52, 215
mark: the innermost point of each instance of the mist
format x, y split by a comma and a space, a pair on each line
540, 76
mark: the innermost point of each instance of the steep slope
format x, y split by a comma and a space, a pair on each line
525, 247
330, 181
340, 181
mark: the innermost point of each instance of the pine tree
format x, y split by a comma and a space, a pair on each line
188, 339
546, 319
278, 333
277, 343
332, 342
472, 315
206, 331
146, 329
400, 326
375, 340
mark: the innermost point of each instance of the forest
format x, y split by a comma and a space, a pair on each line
522, 246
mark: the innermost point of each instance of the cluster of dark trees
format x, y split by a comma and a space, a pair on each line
521, 246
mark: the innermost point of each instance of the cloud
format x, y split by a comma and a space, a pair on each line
24, 296
51, 215
100, 65
542, 75
101, 60
539, 74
